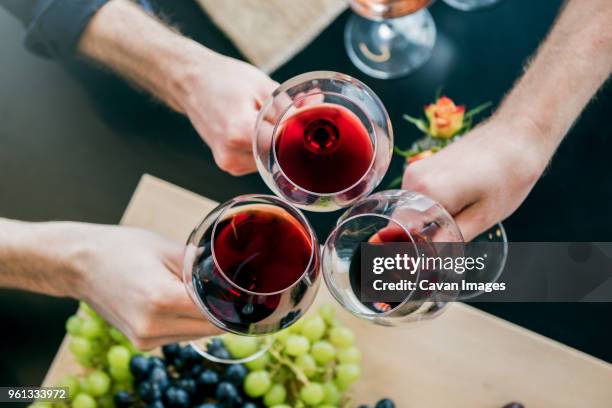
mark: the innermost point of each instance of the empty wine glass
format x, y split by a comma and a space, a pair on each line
389, 38
322, 141
252, 268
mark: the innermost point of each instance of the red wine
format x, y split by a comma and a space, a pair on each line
260, 251
324, 148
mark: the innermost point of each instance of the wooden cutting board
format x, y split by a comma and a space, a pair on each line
464, 358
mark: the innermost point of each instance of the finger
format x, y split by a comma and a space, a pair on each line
264, 92
450, 192
242, 138
176, 301
173, 256
236, 163
472, 221
184, 328
153, 342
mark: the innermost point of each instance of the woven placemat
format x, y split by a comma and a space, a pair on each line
270, 32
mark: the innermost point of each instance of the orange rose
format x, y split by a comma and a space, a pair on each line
445, 118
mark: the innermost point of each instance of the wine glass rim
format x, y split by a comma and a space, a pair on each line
266, 200
412, 241
334, 193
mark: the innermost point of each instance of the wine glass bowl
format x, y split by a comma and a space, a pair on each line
251, 267
389, 38
390, 216
322, 141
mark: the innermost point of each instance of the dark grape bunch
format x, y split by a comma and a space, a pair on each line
184, 379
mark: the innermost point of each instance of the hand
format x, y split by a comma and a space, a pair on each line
132, 278
222, 97
482, 178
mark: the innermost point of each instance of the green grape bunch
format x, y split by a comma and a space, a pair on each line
105, 354
310, 364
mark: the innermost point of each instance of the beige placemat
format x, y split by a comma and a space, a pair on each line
270, 32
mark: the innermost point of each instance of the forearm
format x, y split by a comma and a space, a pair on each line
573, 62
142, 49
40, 257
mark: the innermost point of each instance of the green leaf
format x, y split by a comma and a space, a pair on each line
421, 124
404, 153
477, 110
395, 183
439, 91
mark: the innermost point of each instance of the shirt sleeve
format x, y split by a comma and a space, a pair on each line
53, 27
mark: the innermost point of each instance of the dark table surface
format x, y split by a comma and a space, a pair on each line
75, 141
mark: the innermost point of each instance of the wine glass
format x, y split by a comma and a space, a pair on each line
395, 216
384, 217
252, 268
469, 5
322, 141
389, 38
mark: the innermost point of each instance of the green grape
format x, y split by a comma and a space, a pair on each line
296, 345
106, 401
85, 361
347, 373
241, 346
119, 357
72, 383
313, 328
341, 385
326, 406
275, 395
117, 336
81, 347
120, 374
341, 337
312, 393
349, 355
91, 329
98, 383
88, 311
83, 384
257, 383
281, 406
259, 363
82, 400
327, 312
307, 364
323, 352
41, 404
73, 325
332, 394
297, 326
96, 347
282, 335
133, 349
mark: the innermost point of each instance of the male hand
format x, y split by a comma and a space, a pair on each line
132, 278
222, 97
482, 178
